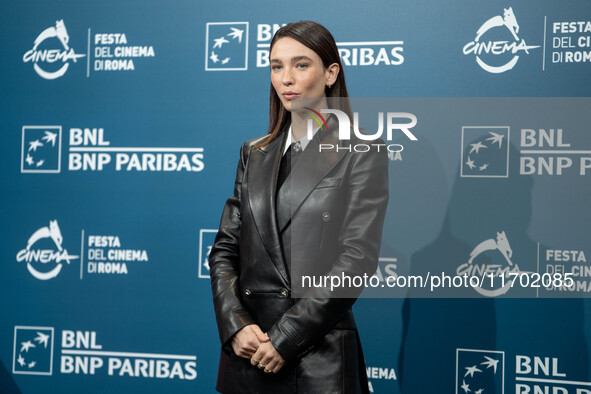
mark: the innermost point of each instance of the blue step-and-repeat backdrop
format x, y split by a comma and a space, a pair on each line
121, 126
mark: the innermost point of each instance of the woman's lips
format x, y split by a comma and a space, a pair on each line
290, 95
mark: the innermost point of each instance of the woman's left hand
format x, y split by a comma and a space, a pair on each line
267, 358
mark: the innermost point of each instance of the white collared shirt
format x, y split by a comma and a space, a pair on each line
304, 141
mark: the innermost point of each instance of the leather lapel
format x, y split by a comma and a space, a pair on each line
310, 168
262, 181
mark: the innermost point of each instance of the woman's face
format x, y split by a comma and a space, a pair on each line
297, 71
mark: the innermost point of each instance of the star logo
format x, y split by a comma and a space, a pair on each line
476, 147
219, 42
470, 371
226, 47
26, 346
491, 363
41, 149
485, 152
236, 33
33, 145
50, 137
496, 138
42, 339
465, 387
480, 371
33, 350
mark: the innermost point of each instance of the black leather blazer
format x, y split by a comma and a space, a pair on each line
326, 219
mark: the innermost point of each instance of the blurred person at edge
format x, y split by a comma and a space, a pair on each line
273, 342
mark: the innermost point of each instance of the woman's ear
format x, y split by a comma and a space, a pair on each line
332, 72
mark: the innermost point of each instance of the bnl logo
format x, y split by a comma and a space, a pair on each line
33, 350
206, 241
485, 152
41, 148
226, 46
480, 371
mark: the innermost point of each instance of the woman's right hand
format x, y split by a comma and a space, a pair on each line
246, 341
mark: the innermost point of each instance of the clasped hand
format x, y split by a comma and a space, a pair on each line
250, 342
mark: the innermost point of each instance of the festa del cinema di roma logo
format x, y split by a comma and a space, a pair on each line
486, 52
481, 269
38, 255
43, 58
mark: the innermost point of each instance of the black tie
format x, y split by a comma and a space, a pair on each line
287, 162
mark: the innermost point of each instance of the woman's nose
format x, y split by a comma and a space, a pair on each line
287, 77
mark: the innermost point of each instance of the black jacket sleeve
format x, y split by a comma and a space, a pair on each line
230, 314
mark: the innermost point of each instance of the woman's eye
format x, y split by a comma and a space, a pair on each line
302, 66
275, 68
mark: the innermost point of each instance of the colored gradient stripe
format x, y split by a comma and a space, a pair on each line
317, 120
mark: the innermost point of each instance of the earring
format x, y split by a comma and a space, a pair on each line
328, 85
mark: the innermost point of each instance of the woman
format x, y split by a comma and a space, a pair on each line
323, 217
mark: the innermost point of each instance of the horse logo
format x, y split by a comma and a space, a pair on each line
45, 256
498, 48
501, 244
36, 56
508, 20
53, 232
484, 271
58, 31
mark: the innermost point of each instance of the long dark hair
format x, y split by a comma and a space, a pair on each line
317, 38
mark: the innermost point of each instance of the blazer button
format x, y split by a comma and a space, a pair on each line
247, 292
325, 216
284, 293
